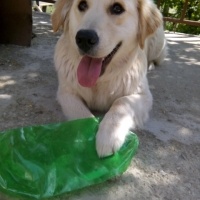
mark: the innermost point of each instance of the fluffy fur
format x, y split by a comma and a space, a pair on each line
122, 91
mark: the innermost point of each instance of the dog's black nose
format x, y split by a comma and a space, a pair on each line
86, 40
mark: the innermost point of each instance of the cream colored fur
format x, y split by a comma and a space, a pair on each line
122, 91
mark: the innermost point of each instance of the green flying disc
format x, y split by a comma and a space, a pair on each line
48, 160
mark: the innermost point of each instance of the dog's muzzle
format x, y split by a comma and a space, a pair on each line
86, 40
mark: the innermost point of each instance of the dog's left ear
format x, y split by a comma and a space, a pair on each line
61, 13
150, 19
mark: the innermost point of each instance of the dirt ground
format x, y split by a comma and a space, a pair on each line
167, 165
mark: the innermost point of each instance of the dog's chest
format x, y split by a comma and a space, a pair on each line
102, 96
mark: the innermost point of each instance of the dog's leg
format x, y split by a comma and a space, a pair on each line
151, 66
126, 113
72, 106
159, 58
163, 54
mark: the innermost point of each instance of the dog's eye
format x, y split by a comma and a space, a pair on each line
83, 6
116, 9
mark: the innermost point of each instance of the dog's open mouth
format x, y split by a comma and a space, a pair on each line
90, 69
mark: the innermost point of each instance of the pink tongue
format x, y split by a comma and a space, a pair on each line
89, 70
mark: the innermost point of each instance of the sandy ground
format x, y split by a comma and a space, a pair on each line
167, 165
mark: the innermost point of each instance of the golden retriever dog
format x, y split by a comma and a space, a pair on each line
102, 58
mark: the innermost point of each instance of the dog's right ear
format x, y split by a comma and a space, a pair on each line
61, 13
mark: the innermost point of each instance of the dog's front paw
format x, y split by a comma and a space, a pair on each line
110, 137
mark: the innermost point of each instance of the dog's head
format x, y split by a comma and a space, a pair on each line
100, 29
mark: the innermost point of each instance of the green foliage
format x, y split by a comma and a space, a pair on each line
50, 9
173, 8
